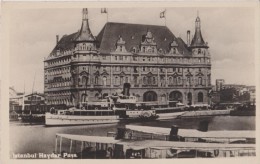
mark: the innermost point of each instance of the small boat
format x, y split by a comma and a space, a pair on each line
120, 147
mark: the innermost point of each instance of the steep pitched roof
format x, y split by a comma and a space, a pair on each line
132, 34
197, 40
66, 42
85, 33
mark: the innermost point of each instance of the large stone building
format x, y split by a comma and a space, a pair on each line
159, 66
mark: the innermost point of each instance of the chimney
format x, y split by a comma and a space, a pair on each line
174, 133
57, 39
126, 89
188, 37
120, 133
203, 126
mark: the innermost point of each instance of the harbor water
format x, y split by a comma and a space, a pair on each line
26, 138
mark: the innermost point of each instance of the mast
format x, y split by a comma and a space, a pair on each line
32, 92
23, 98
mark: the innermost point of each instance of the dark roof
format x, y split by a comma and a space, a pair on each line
197, 40
132, 34
85, 33
66, 42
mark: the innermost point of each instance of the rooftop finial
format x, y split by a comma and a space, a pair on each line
198, 18
85, 13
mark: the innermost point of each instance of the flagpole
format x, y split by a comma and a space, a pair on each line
165, 17
107, 14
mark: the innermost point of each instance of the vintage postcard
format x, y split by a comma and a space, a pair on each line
83, 82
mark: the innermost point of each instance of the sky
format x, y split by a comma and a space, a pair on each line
229, 31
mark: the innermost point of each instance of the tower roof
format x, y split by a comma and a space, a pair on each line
197, 40
85, 33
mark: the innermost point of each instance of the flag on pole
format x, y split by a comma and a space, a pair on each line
103, 10
162, 14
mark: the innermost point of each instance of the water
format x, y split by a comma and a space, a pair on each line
25, 138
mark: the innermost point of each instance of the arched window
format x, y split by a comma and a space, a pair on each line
154, 80
174, 80
144, 80
96, 79
116, 80
150, 96
179, 80
174, 50
149, 80
200, 81
199, 51
104, 80
121, 80
170, 80
135, 80
84, 80
200, 97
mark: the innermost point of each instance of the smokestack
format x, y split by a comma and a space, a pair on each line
57, 39
188, 37
120, 133
174, 133
126, 89
203, 126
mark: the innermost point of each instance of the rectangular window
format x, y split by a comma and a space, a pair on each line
121, 58
115, 57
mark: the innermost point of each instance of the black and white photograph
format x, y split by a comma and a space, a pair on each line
147, 81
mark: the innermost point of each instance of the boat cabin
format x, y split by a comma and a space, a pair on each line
95, 147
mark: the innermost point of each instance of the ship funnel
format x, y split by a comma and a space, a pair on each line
203, 126
120, 133
126, 89
174, 133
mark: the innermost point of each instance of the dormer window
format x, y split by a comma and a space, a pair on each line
199, 51
174, 50
120, 45
134, 50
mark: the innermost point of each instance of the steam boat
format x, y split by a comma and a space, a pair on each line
110, 110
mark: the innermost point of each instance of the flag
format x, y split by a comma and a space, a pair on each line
103, 10
162, 14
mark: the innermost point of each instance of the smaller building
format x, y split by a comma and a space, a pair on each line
26, 103
219, 84
251, 90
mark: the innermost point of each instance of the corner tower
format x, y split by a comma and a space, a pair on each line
198, 45
84, 60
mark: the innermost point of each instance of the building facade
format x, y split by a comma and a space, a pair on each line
159, 66
220, 84
34, 102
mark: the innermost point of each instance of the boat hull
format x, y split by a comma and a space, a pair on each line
166, 116
64, 120
206, 113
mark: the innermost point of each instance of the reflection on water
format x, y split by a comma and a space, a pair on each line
25, 138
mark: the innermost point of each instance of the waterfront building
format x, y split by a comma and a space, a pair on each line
19, 102
159, 66
252, 94
219, 84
